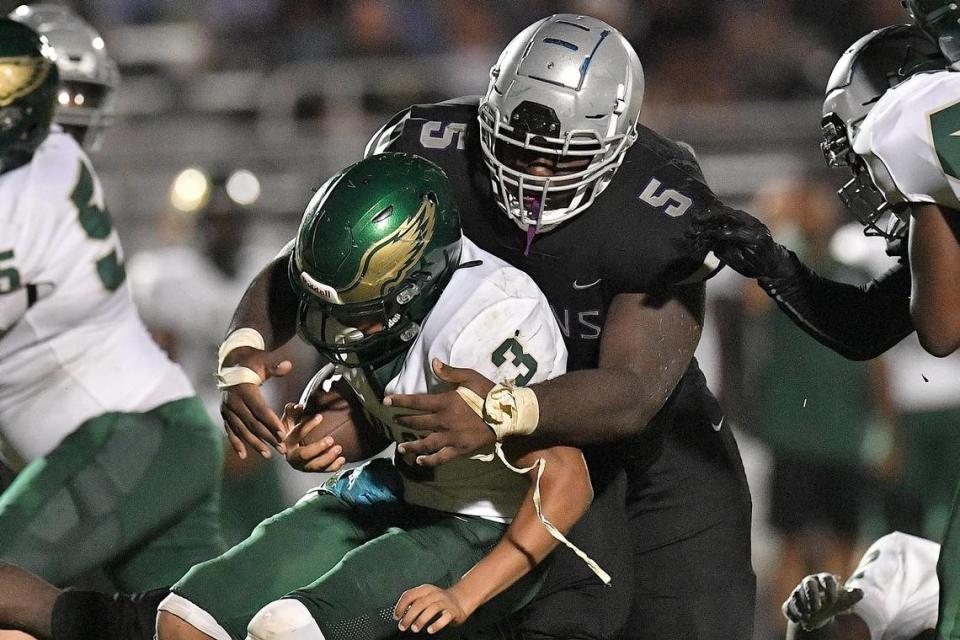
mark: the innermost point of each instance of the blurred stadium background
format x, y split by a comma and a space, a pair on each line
263, 99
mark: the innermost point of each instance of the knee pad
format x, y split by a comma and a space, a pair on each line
285, 619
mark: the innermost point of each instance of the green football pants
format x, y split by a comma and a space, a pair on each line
134, 494
348, 564
948, 572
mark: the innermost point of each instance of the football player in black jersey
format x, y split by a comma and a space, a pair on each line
920, 293
554, 174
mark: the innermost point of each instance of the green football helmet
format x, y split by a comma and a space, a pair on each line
28, 92
377, 244
940, 19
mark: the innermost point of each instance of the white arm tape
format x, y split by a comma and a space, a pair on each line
232, 376
508, 410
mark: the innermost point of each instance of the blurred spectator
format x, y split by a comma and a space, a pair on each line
186, 293
813, 409
927, 394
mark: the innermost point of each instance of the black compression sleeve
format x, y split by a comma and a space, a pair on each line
89, 615
859, 323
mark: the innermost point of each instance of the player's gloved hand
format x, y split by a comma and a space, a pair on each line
247, 417
741, 241
322, 456
817, 599
456, 429
418, 606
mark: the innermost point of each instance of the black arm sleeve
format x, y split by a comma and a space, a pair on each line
859, 323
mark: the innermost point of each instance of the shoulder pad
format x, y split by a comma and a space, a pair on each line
669, 151
457, 110
910, 140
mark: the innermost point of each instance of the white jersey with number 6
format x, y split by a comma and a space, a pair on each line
910, 140
72, 346
898, 575
492, 318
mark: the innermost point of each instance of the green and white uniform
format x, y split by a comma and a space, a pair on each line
116, 458
910, 140
343, 556
899, 581
911, 144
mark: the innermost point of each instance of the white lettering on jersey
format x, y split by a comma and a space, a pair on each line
673, 203
440, 135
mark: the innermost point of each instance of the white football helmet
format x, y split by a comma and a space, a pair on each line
568, 87
88, 77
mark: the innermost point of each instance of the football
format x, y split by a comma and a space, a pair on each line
345, 422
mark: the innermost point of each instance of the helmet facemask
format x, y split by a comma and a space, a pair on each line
874, 64
566, 92
583, 160
367, 333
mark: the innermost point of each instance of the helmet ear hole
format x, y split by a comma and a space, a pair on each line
384, 215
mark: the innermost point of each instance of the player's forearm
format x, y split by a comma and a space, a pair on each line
646, 347
935, 263
269, 305
859, 323
565, 493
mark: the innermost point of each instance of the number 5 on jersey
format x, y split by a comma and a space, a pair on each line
97, 224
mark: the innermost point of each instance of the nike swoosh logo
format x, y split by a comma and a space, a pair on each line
579, 287
719, 425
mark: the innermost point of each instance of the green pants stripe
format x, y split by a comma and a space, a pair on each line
134, 494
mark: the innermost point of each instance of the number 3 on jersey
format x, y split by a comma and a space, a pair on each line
96, 222
520, 359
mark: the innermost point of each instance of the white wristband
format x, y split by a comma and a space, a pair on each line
232, 376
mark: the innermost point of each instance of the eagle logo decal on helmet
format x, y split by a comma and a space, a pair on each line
390, 261
20, 76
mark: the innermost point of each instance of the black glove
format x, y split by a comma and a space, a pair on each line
742, 242
818, 599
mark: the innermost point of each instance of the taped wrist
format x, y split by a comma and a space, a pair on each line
508, 410
232, 376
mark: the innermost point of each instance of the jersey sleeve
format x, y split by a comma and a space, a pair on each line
386, 137
649, 244
514, 339
910, 141
898, 576
835, 313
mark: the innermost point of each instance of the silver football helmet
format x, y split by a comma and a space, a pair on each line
873, 64
88, 77
569, 88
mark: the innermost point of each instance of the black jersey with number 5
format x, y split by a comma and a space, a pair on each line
632, 239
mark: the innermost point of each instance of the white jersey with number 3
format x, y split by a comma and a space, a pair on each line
491, 318
910, 140
74, 347
898, 575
